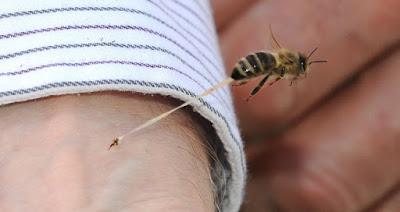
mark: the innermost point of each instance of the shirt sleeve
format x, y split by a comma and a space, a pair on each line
56, 47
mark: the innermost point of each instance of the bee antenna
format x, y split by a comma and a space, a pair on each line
317, 61
312, 52
273, 37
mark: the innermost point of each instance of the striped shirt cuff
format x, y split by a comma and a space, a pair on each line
60, 47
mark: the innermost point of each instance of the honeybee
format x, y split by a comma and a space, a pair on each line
281, 64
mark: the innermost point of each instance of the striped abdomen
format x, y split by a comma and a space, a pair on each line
253, 65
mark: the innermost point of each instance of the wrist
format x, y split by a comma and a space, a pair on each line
64, 141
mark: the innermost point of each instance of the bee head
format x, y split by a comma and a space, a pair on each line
304, 61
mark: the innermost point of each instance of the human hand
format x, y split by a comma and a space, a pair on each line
336, 151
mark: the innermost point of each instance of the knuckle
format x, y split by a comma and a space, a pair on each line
311, 192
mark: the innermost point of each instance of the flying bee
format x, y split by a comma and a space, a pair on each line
281, 64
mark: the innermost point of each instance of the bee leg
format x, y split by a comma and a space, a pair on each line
242, 82
256, 89
276, 80
293, 81
280, 72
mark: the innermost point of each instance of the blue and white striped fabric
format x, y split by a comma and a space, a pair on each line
55, 47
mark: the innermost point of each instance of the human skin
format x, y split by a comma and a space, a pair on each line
54, 156
305, 154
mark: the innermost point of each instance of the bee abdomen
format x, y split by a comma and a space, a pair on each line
253, 65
